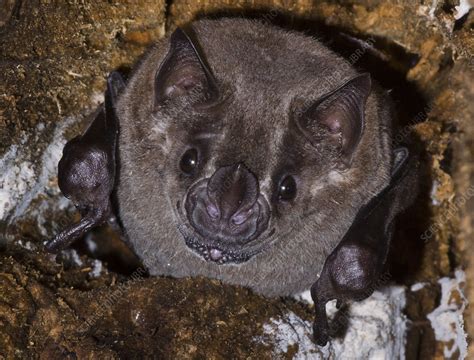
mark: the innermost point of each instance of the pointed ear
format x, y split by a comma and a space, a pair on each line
184, 71
339, 115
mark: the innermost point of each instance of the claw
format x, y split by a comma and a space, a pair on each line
319, 337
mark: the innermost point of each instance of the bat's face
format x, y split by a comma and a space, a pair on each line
242, 169
238, 187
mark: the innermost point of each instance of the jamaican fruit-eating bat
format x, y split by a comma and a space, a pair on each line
249, 154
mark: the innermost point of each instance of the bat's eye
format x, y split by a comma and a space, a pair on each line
189, 161
287, 189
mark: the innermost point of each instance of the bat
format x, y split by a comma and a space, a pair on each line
250, 154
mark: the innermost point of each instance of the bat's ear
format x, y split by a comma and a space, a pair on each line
339, 115
184, 71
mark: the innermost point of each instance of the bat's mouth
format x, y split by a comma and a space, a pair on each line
216, 254
213, 251
225, 216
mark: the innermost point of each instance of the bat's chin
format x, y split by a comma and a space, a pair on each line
219, 252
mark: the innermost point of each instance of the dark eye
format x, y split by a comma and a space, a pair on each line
287, 189
189, 161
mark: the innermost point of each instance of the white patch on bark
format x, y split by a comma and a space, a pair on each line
447, 319
16, 177
377, 330
418, 286
434, 5
22, 179
434, 194
463, 8
96, 269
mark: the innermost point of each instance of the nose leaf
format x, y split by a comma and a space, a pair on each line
227, 211
233, 190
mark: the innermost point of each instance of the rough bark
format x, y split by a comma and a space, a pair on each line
53, 60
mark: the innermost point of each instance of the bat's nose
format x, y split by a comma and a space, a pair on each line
228, 207
232, 192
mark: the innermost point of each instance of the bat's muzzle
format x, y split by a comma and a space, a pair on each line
228, 209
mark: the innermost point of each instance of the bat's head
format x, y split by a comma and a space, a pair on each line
243, 158
246, 150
